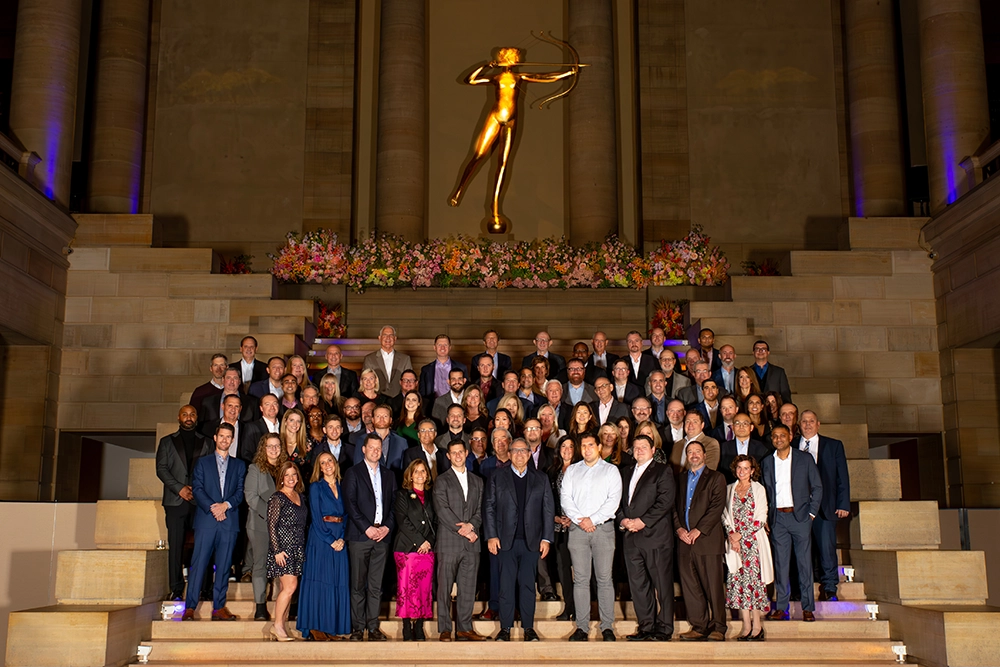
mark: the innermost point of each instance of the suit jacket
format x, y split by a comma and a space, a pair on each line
556, 363
393, 448
727, 452
452, 508
171, 465
680, 382
259, 370
689, 396
426, 385
776, 380
388, 379
359, 501
593, 371
617, 411
716, 363
545, 456
208, 412
807, 487
632, 392
503, 364
439, 410
836, 480
250, 434
348, 381
202, 392
416, 522
345, 460
707, 506
492, 394
207, 492
717, 376
257, 489
500, 509
589, 396
703, 409
712, 452
647, 364
653, 502
415, 453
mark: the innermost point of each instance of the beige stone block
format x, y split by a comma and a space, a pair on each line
77, 635
835, 312
91, 283
893, 418
148, 415
923, 312
115, 309
135, 388
792, 312
917, 339
70, 416
756, 313
143, 284
885, 312
143, 484
140, 336
887, 233
269, 344
854, 437
861, 339
930, 418
873, 479
837, 364
175, 385
89, 335
922, 577
815, 385
736, 326
909, 286
911, 261
77, 309
810, 338
972, 360
883, 526
826, 406
89, 259
211, 311
111, 362
977, 414
796, 364
129, 524
111, 416
244, 309
840, 263
865, 392
927, 364
111, 577
194, 336
167, 310
164, 429
165, 260
889, 364
782, 288
164, 362
113, 229
941, 636
215, 286
742, 344
915, 391
858, 287
76, 389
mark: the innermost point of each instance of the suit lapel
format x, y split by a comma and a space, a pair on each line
181, 455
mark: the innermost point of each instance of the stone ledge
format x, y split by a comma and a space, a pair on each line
939, 636
111, 577
870, 479
129, 524
112, 229
923, 577
888, 525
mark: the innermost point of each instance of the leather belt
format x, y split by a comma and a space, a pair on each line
333, 519
786, 510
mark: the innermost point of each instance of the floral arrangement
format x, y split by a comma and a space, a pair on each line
768, 267
669, 316
235, 266
463, 261
331, 321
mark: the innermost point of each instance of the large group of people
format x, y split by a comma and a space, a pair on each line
612, 476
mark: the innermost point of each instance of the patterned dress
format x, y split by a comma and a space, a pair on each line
744, 587
286, 526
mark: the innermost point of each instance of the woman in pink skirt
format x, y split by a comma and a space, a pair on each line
414, 550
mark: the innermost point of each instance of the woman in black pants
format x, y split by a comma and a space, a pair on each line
569, 454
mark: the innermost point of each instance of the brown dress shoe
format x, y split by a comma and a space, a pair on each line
692, 636
319, 636
445, 637
223, 615
246, 578
808, 616
716, 636
777, 615
471, 636
188, 615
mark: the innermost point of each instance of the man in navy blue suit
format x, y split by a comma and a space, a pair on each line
434, 376
217, 485
519, 524
393, 444
794, 493
832, 463
501, 361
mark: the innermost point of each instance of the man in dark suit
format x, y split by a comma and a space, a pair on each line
434, 376
217, 487
724, 424
576, 389
347, 380
556, 362
606, 409
742, 443
540, 456
210, 410
387, 362
519, 527
250, 368
343, 451
706, 343
709, 407
369, 491
692, 394
251, 432
213, 387
600, 360
435, 457
393, 444
725, 374
836, 504
646, 518
176, 455
458, 501
769, 376
639, 365
508, 384
622, 387
794, 493
489, 386
701, 540
501, 362
272, 383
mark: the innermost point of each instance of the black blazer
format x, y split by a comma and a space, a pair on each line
171, 465
593, 372
259, 370
653, 502
776, 380
503, 364
415, 453
359, 501
345, 460
208, 412
556, 363
646, 366
545, 456
727, 452
415, 521
250, 434
348, 381
500, 508
836, 480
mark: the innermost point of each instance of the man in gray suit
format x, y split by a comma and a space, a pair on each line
458, 499
175, 457
387, 363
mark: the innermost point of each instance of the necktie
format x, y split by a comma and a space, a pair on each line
806, 449
729, 432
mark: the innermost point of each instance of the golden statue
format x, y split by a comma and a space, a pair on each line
502, 118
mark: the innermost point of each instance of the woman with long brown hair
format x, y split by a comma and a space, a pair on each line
413, 549
293, 439
258, 488
286, 527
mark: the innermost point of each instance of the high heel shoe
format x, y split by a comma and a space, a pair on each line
759, 637
280, 638
748, 637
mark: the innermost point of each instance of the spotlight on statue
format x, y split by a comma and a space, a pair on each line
872, 610
143, 653
900, 651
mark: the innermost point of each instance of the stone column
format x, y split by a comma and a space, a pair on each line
119, 107
593, 153
873, 96
953, 78
401, 160
43, 90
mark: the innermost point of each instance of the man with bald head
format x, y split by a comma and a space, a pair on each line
600, 360
556, 362
347, 379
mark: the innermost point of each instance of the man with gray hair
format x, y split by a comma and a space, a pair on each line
387, 363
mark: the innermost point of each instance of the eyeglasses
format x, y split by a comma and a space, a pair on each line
477, 439
520, 450
428, 430
532, 428
741, 423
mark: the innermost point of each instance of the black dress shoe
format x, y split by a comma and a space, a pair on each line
759, 637
502, 636
566, 616
609, 635
260, 613
549, 597
639, 636
530, 635
827, 596
579, 636
659, 637
376, 635
358, 636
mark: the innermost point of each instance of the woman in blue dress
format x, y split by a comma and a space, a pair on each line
325, 597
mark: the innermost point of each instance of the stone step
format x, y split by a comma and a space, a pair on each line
946, 634
826, 406
886, 525
611, 662
241, 310
841, 263
113, 229
112, 577
854, 437
885, 233
550, 629
269, 344
218, 286
725, 326
924, 577
874, 479
129, 524
283, 324
551, 651
143, 484
161, 260
782, 288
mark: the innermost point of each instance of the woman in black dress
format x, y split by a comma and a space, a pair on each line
569, 454
286, 523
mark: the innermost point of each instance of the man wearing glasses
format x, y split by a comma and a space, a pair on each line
742, 443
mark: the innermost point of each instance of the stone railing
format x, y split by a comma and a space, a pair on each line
981, 166
26, 160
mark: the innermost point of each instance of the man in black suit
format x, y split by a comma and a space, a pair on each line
347, 380
725, 374
529, 399
175, 458
272, 383
692, 395
709, 406
210, 410
501, 361
434, 377
743, 443
541, 456
697, 518
600, 360
606, 409
250, 368
435, 457
769, 376
836, 504
369, 490
646, 518
251, 432
519, 526
724, 426
622, 387
509, 385
213, 387
639, 365
489, 386
343, 451
556, 362
706, 343
794, 493
656, 340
